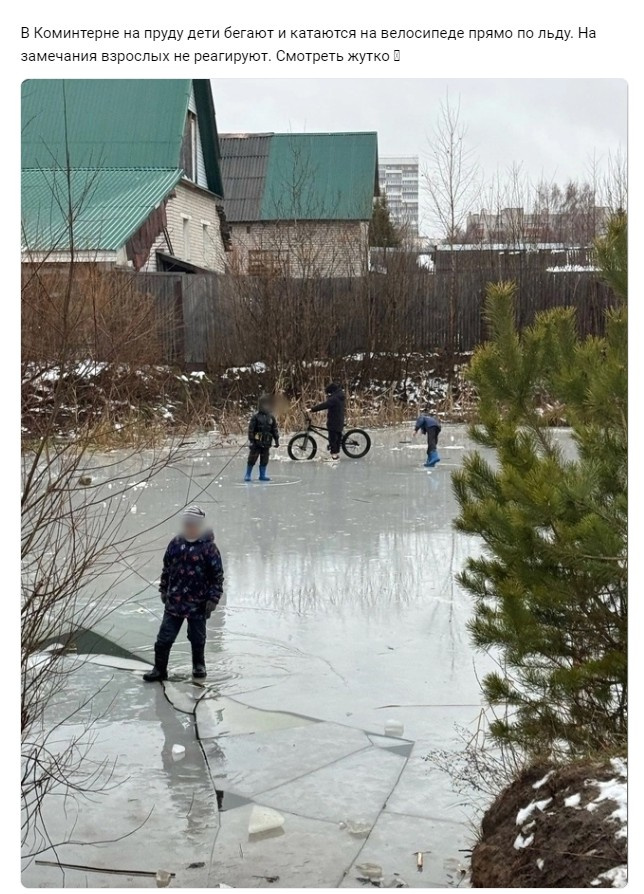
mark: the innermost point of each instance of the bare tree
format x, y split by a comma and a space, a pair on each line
614, 183
452, 183
451, 174
78, 320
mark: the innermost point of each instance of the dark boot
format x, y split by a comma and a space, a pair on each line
198, 663
262, 474
160, 670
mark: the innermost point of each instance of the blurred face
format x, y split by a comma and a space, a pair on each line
191, 528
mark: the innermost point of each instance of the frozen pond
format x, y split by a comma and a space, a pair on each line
341, 613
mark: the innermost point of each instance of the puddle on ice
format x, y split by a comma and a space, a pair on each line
97, 648
274, 482
229, 800
225, 716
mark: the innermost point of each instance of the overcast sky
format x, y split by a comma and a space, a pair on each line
551, 126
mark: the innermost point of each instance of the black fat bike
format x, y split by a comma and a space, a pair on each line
355, 443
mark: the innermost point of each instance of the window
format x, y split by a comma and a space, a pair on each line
194, 142
189, 148
186, 237
267, 263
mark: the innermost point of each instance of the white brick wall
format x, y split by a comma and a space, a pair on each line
192, 213
307, 249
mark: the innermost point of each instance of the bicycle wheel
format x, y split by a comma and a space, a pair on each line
302, 447
356, 443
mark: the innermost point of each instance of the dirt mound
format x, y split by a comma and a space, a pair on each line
556, 828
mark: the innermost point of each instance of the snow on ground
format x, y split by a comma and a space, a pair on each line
615, 790
526, 813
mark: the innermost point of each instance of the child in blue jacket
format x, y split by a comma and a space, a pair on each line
192, 583
429, 426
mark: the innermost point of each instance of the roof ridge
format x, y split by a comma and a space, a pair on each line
104, 168
313, 133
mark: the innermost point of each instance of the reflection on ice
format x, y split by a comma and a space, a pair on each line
341, 615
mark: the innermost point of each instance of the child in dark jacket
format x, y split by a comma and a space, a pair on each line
262, 434
429, 426
192, 583
334, 405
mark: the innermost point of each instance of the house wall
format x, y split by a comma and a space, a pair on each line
188, 212
306, 249
202, 179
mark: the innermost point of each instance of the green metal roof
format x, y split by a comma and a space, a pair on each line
317, 176
104, 123
108, 206
113, 136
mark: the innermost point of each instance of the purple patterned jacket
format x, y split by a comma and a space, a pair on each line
193, 574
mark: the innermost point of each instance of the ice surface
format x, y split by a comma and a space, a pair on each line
251, 764
341, 611
223, 716
387, 741
393, 844
354, 786
155, 812
420, 776
183, 696
310, 853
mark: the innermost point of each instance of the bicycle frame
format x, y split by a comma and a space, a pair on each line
310, 426
316, 428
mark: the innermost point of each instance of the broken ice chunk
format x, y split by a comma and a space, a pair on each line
162, 878
394, 728
370, 870
178, 751
360, 828
264, 819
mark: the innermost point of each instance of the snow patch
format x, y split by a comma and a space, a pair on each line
617, 876
572, 801
543, 781
614, 790
526, 813
521, 842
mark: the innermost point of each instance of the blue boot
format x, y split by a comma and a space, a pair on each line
433, 459
249, 472
262, 474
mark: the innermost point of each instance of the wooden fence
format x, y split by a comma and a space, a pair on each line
210, 320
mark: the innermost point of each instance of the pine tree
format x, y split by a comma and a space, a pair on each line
382, 231
550, 586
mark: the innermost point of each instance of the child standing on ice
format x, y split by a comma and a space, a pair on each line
429, 426
192, 583
262, 435
334, 405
